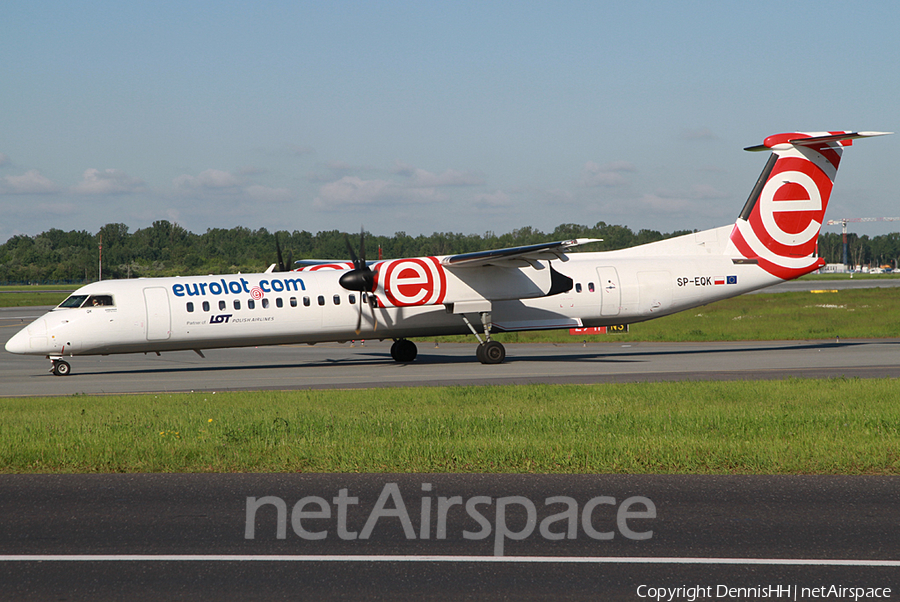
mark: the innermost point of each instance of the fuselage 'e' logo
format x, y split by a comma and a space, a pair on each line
416, 281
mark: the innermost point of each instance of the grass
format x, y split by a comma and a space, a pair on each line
859, 276
836, 426
38, 287
33, 295
31, 299
854, 313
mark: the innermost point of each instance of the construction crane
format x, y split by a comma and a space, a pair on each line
846, 220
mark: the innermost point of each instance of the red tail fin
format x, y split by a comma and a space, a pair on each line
780, 223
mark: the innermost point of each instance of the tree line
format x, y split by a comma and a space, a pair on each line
167, 249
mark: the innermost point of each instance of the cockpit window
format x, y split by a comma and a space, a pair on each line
99, 301
86, 301
73, 301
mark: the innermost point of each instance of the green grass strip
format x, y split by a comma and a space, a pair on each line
31, 299
848, 314
795, 426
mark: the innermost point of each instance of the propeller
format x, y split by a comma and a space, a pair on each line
281, 265
361, 278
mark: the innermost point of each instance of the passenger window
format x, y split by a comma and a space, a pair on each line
352, 299
265, 303
206, 306
237, 304
293, 301
305, 301
578, 287
279, 302
222, 305
321, 300
251, 304
591, 286
337, 299
190, 306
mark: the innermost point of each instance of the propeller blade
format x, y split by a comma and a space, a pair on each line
278, 255
372, 302
361, 278
350, 250
362, 244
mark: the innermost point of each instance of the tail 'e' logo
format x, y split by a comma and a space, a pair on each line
783, 228
790, 210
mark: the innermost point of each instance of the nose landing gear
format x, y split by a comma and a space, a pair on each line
60, 367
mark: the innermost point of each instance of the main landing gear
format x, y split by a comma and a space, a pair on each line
488, 351
404, 351
60, 367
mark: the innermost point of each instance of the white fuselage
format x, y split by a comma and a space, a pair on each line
203, 312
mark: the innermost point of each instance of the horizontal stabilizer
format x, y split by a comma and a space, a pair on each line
783, 141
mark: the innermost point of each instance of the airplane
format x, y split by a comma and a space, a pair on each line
534, 287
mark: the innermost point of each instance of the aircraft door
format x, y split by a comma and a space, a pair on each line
610, 291
159, 319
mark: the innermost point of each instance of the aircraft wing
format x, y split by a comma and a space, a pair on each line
512, 256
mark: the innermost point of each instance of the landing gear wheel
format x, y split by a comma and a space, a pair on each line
404, 351
491, 352
61, 368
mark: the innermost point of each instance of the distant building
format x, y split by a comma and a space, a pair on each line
834, 268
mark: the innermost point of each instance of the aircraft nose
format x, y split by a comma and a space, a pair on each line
20, 342
32, 339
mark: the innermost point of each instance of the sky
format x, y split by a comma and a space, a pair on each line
424, 117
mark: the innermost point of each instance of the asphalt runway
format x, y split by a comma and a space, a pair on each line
370, 365
442, 537
184, 537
